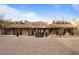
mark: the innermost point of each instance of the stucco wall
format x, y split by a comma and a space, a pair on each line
24, 32
0, 32
10, 32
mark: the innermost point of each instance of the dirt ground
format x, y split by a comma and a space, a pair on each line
30, 45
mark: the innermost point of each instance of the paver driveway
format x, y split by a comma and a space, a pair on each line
27, 45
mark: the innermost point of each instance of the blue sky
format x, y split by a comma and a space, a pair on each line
41, 12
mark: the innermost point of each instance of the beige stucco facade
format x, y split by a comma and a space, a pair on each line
39, 29
0, 32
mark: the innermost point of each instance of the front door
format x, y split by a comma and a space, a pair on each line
39, 32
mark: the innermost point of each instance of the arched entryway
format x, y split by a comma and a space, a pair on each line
68, 31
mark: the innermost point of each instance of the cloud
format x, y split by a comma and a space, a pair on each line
14, 14
57, 6
32, 16
75, 7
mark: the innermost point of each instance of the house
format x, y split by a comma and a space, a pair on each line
38, 29
21, 29
62, 29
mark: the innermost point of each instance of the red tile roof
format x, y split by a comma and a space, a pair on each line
18, 26
61, 26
